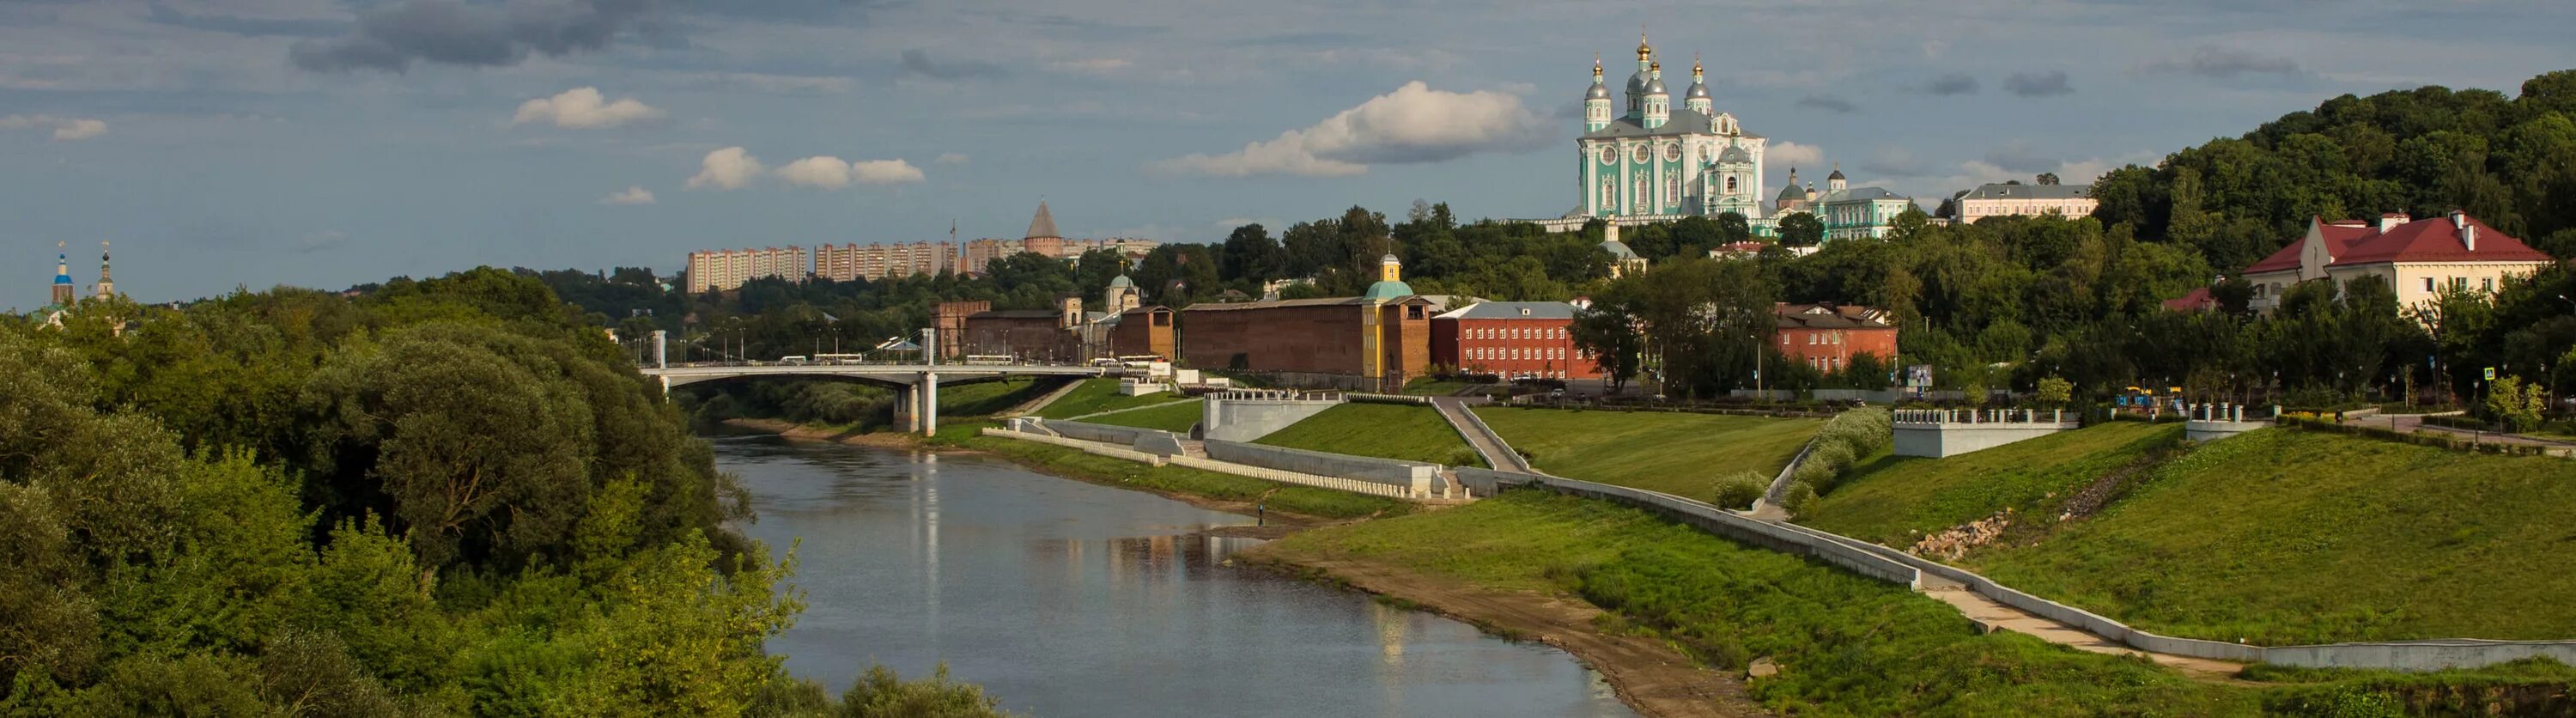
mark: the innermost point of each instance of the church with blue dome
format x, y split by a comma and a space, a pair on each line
1656, 162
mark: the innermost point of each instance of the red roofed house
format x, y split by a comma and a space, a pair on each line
2197, 300
1827, 336
2417, 257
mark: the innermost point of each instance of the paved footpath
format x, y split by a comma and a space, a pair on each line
1985, 611
2410, 423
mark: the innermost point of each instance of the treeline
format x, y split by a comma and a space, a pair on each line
2425, 151
448, 496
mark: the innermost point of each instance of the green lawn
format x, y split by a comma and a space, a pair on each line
2286, 537
1433, 387
992, 397
1098, 395
1387, 431
1886, 498
1848, 645
1074, 464
1681, 454
1174, 415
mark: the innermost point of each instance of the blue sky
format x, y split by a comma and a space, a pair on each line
324, 143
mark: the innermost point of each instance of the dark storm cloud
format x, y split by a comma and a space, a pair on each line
393, 37
1956, 83
2038, 84
2222, 63
917, 63
1828, 103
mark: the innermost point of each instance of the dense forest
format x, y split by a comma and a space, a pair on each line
448, 496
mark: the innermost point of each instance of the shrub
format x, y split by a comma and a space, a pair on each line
1800, 496
1841, 443
1740, 490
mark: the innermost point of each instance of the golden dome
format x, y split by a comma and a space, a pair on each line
1643, 52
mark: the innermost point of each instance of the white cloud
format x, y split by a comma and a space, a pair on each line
633, 194
728, 168
318, 241
828, 172
951, 158
583, 108
65, 129
1785, 154
1412, 124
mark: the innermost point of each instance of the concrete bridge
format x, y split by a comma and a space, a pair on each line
916, 385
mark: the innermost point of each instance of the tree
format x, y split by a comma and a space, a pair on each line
1093, 270
2047, 178
2054, 391
1608, 333
1250, 256
2514, 404
1801, 229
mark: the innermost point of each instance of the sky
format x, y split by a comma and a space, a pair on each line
324, 143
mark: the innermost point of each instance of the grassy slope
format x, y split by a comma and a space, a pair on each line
991, 397
1098, 395
1069, 463
1391, 431
1892, 495
1848, 645
1173, 416
1428, 387
1675, 453
2295, 537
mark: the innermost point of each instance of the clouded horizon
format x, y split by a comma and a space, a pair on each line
321, 143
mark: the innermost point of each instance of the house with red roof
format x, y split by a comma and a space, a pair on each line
2418, 258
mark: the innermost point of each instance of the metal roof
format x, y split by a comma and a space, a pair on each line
2028, 191
1511, 310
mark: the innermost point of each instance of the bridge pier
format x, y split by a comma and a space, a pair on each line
929, 393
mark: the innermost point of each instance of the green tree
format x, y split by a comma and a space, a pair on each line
1801, 229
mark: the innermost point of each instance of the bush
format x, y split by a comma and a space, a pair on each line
1800, 496
1740, 490
1841, 443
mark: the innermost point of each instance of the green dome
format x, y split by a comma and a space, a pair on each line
1388, 291
1121, 281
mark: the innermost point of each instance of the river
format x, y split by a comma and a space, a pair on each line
1064, 598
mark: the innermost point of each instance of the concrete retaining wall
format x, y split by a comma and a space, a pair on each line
1355, 486
1250, 419
1487, 482
1939, 433
1416, 477
1088, 447
1103, 433
1776, 537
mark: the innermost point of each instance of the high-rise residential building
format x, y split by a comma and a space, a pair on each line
726, 269
880, 261
1044, 239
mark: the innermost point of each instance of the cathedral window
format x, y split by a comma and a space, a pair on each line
1730, 185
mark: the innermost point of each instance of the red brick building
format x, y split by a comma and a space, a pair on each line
1383, 337
1144, 330
1827, 336
1515, 340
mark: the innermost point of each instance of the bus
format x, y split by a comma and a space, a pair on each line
792, 360
988, 359
839, 358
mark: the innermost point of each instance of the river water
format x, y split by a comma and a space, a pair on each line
1064, 598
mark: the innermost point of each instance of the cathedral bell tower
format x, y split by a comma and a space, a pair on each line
63, 287
1596, 101
106, 283
1696, 99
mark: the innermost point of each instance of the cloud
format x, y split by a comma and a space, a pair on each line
1956, 83
770, 83
318, 241
2038, 84
2222, 63
1791, 154
1413, 124
1894, 162
582, 108
66, 129
728, 168
1092, 65
828, 172
452, 32
918, 63
951, 158
634, 194
1828, 103
247, 26
2019, 156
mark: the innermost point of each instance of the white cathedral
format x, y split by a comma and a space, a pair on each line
1657, 162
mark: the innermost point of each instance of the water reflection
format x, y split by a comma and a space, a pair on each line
1064, 598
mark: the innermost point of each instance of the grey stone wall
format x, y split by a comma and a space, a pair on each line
1385, 471
1251, 419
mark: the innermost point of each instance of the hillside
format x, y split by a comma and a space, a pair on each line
1388, 431
1893, 499
2285, 537
1682, 454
